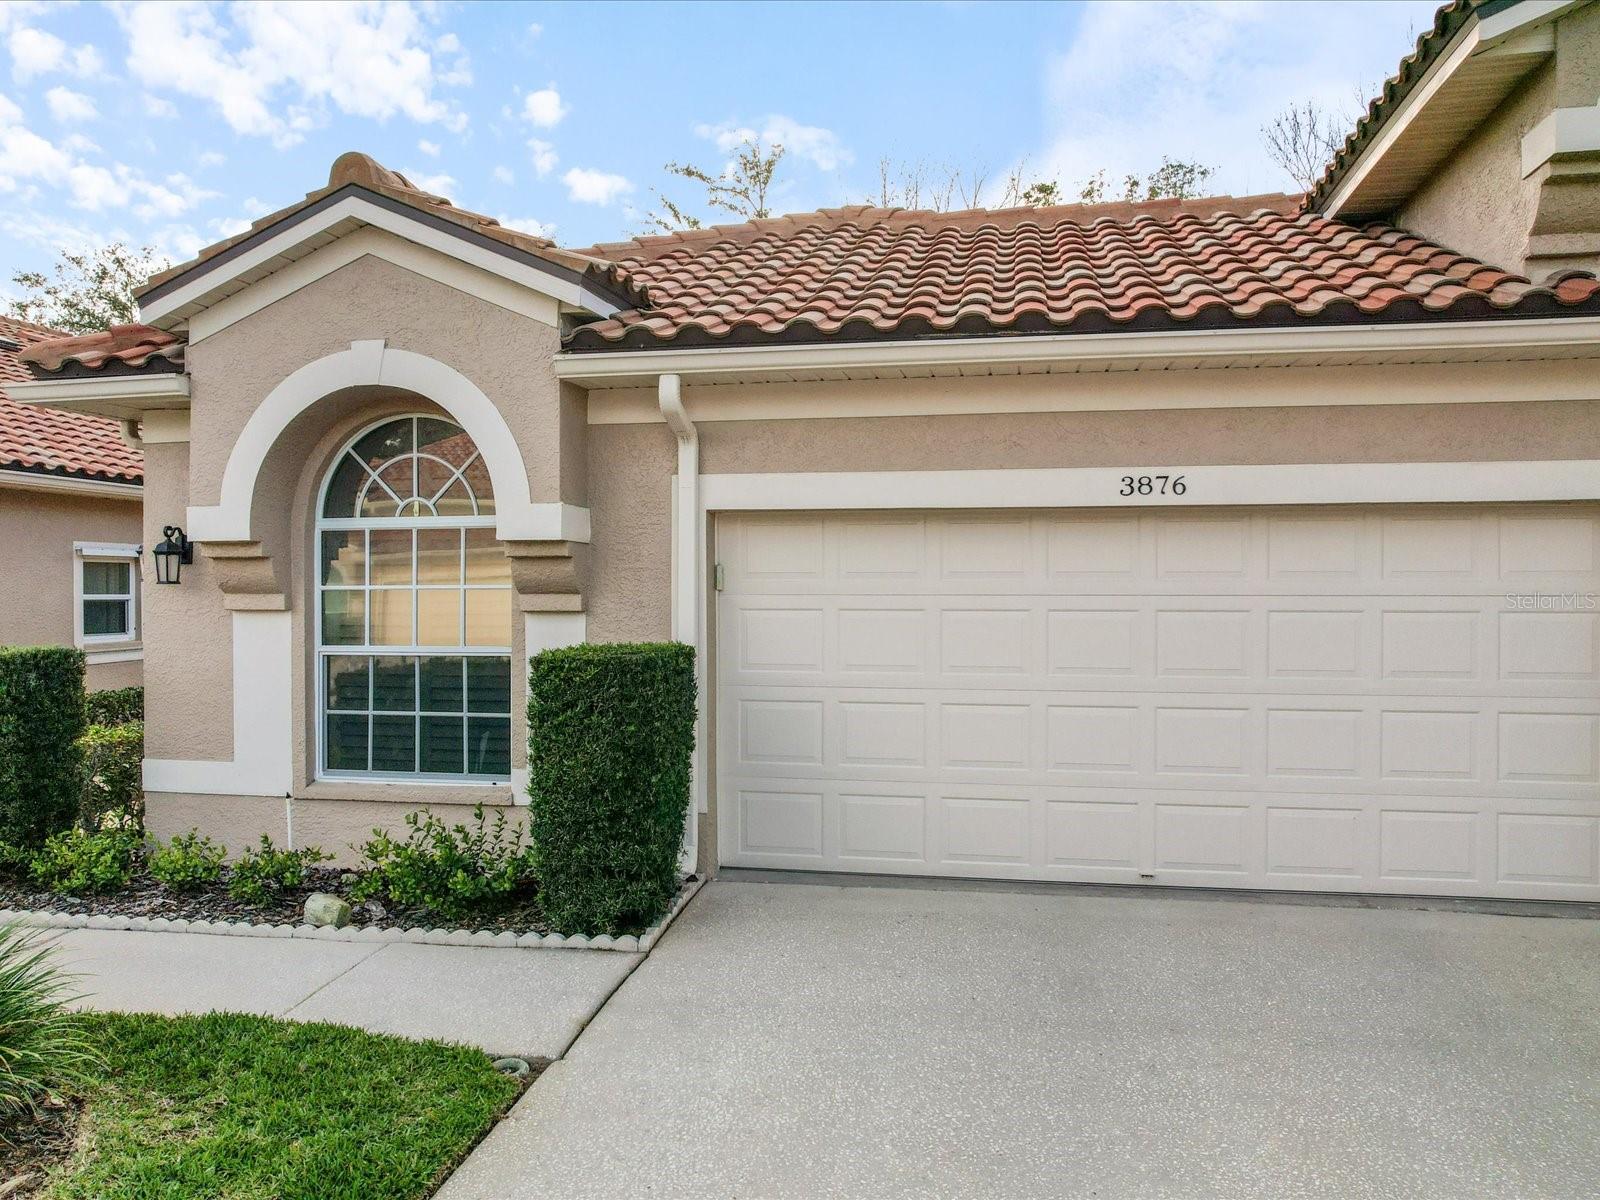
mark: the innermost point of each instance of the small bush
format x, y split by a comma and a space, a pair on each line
41, 720
113, 777
15, 862
115, 706
610, 736
265, 872
43, 1045
454, 872
77, 861
188, 863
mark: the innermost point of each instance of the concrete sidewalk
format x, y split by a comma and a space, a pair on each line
529, 1003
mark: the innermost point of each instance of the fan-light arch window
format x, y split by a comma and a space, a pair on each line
414, 610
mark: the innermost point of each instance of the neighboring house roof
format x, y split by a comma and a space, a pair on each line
44, 441
866, 273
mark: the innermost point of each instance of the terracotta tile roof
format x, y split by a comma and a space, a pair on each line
118, 350
356, 169
48, 442
864, 273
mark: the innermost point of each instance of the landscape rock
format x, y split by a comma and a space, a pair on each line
324, 910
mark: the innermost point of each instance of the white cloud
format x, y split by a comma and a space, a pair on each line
431, 149
439, 185
68, 106
274, 69
544, 157
588, 186
155, 106
542, 229
535, 29
544, 107
10, 114
503, 175
812, 143
1197, 80
36, 52
212, 158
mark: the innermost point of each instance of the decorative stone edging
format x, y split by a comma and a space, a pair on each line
628, 943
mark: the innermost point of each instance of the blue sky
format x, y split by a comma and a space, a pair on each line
174, 123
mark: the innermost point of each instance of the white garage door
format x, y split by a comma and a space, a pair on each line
1353, 699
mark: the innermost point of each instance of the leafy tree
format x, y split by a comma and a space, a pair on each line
87, 291
1174, 179
1042, 193
741, 188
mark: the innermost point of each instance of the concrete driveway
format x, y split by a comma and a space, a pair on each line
792, 1040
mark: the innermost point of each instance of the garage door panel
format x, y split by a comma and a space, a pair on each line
1377, 699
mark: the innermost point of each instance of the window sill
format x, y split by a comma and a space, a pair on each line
411, 792
112, 652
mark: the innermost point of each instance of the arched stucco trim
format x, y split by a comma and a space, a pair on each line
372, 363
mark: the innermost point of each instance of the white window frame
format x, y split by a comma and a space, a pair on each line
367, 648
107, 647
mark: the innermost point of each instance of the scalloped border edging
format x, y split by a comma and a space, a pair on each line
378, 934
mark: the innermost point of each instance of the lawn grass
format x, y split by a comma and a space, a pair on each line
248, 1108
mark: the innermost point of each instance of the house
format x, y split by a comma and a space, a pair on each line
1228, 542
70, 488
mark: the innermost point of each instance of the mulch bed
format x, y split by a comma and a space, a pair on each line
145, 897
31, 1145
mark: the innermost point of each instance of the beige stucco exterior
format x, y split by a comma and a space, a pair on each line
1480, 203
609, 457
38, 530
507, 355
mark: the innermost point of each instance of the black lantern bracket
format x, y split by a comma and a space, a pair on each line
174, 553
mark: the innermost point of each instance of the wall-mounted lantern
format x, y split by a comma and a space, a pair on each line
173, 554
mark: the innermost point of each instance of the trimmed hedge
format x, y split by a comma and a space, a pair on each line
115, 706
41, 720
610, 735
113, 776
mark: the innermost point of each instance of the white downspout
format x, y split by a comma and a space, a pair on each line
688, 573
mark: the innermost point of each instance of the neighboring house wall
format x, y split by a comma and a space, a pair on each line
38, 530
1479, 202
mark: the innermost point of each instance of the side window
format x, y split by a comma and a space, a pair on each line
108, 594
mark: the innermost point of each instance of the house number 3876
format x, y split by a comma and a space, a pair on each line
1153, 485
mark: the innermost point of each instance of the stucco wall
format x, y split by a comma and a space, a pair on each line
505, 354
630, 465
1478, 202
37, 531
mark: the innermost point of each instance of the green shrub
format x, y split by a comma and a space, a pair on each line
15, 862
454, 872
115, 706
41, 719
43, 1044
610, 737
188, 863
76, 861
113, 777
265, 872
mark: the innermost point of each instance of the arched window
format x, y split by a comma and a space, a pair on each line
414, 610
